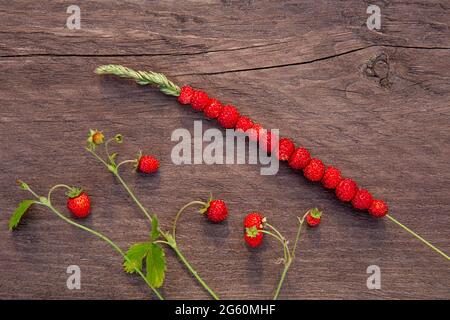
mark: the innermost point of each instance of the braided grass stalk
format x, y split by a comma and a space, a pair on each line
141, 77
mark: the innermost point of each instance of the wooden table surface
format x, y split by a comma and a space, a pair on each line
373, 103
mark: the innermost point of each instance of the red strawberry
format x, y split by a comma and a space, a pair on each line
185, 95
148, 164
217, 211
313, 217
362, 200
254, 132
199, 100
213, 109
254, 219
331, 178
268, 141
314, 170
346, 190
78, 203
378, 208
253, 236
228, 117
243, 124
285, 149
299, 159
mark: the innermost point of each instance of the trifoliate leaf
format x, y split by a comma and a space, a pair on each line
155, 228
155, 265
17, 215
135, 255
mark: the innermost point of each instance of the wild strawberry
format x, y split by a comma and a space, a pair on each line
378, 208
346, 190
216, 211
313, 217
254, 132
213, 109
95, 138
268, 141
98, 138
228, 117
331, 178
362, 200
254, 219
148, 164
299, 159
314, 170
243, 124
185, 95
285, 149
199, 100
78, 203
253, 236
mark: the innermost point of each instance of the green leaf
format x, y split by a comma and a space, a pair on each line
156, 265
155, 228
17, 215
135, 255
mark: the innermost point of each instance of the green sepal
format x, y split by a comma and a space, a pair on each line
74, 192
118, 138
315, 213
23, 185
112, 158
252, 232
207, 204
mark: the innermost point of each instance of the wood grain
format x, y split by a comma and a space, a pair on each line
375, 104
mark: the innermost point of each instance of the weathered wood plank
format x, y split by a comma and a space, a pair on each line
380, 113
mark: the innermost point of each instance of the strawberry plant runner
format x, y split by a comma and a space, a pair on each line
299, 159
47, 202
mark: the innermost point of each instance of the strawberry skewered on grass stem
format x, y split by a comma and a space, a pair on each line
299, 159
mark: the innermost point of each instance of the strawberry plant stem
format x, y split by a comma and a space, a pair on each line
125, 186
280, 284
177, 217
171, 241
124, 162
47, 203
109, 241
417, 236
194, 273
290, 255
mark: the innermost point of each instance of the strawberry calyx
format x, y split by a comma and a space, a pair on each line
138, 158
205, 208
74, 192
315, 213
252, 232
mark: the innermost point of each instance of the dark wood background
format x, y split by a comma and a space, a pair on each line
375, 104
